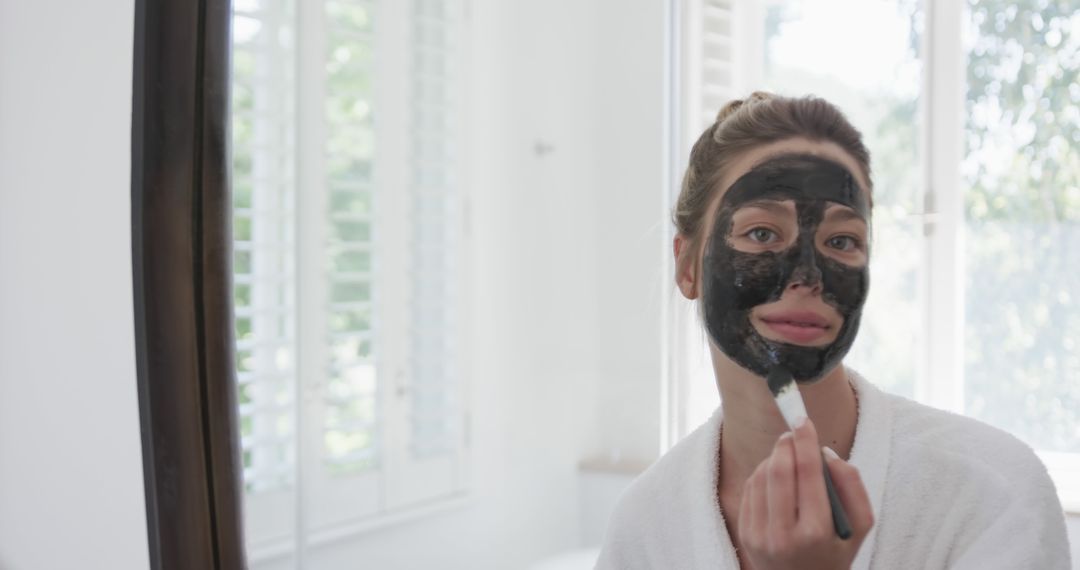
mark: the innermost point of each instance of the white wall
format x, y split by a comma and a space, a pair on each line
631, 223
71, 491
1072, 526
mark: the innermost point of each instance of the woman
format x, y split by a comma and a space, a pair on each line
773, 241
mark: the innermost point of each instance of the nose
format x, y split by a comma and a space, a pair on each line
807, 274
798, 283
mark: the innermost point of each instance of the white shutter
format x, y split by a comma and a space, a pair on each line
342, 468
711, 38
347, 160
717, 61
709, 60
263, 181
431, 457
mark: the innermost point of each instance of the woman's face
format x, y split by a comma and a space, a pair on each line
784, 262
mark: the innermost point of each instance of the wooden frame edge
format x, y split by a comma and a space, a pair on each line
182, 271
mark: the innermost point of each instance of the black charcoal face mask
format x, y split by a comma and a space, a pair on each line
735, 282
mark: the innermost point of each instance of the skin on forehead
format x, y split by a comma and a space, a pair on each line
758, 155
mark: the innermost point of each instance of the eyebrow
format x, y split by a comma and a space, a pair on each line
772, 206
842, 214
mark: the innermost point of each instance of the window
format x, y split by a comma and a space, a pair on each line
879, 91
1021, 224
977, 191
348, 193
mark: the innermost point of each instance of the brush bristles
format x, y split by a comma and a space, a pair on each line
788, 397
779, 378
791, 406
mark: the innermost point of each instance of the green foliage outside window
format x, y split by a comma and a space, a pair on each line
1022, 201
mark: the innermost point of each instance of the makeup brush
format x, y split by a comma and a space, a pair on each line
789, 400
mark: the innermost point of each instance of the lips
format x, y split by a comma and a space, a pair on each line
803, 318
797, 326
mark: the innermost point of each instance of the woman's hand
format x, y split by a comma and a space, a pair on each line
784, 518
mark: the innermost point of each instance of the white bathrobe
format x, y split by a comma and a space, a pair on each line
947, 492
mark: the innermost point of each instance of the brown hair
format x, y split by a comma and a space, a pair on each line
743, 124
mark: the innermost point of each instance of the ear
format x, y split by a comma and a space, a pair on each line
685, 267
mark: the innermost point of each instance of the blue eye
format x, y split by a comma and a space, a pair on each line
843, 243
761, 235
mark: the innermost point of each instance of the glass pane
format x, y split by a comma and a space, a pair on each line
263, 135
1022, 205
350, 430
808, 51
377, 295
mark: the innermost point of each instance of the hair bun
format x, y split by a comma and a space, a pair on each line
735, 104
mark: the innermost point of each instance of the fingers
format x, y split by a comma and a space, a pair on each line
815, 516
784, 514
746, 510
759, 502
753, 507
852, 493
780, 484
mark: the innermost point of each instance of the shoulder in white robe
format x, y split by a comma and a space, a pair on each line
947, 492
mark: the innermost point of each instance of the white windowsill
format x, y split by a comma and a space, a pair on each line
632, 467
1064, 469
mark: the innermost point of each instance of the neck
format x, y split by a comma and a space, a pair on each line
752, 422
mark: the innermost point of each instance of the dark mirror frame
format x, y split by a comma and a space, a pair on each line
182, 269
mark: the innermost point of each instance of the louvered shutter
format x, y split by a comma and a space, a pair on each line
347, 180
710, 38
709, 60
264, 285
342, 457
430, 459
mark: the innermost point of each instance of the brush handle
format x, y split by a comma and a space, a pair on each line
839, 516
